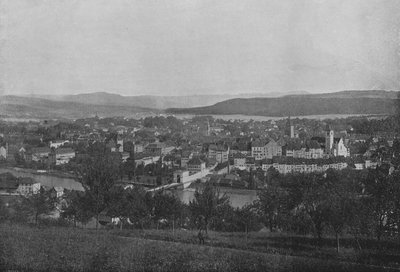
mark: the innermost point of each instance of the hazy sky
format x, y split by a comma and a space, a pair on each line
198, 46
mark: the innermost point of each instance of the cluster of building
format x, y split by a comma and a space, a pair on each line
202, 149
316, 155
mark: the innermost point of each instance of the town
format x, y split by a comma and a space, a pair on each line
157, 151
205, 174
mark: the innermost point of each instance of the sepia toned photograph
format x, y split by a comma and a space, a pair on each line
198, 135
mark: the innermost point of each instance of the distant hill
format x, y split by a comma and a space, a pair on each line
347, 102
155, 102
33, 107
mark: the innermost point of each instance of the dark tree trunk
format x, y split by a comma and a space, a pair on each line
337, 242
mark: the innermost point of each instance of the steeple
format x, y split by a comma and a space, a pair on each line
329, 138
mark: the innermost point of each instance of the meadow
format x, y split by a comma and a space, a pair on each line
49, 248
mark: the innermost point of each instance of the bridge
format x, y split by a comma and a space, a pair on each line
182, 178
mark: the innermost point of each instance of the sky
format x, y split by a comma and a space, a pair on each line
189, 47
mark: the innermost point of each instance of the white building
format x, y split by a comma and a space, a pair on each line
261, 151
64, 155
3, 152
239, 161
286, 165
335, 146
27, 186
58, 143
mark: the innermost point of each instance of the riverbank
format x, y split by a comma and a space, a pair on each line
47, 179
54, 173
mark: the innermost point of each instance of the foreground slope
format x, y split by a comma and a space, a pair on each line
24, 248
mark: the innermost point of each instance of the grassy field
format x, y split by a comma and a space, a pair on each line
385, 253
24, 248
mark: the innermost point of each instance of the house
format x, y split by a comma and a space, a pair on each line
310, 150
239, 161
121, 129
40, 154
195, 165
120, 144
233, 180
3, 151
156, 148
8, 187
27, 186
58, 143
260, 150
286, 165
218, 153
64, 155
340, 149
57, 191
272, 149
250, 163
266, 164
145, 158
8, 184
185, 157
359, 163
112, 146
171, 160
125, 156
138, 147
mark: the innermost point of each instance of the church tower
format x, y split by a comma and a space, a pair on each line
289, 130
329, 138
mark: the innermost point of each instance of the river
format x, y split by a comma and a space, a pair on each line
46, 180
238, 197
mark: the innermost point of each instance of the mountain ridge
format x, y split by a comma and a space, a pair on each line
346, 102
24, 107
156, 101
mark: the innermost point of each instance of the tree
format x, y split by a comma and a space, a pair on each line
247, 218
271, 205
42, 202
138, 205
119, 205
394, 215
132, 205
75, 207
129, 167
165, 206
339, 212
378, 198
4, 214
206, 202
140, 170
314, 200
98, 175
